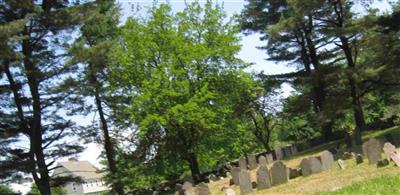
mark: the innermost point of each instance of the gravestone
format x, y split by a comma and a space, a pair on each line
388, 149
396, 158
279, 173
263, 178
359, 159
326, 160
235, 175
270, 158
305, 167
310, 166
202, 189
252, 161
262, 161
242, 163
372, 149
245, 182
187, 188
316, 166
341, 163
278, 153
230, 191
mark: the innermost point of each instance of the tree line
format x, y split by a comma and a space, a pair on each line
167, 92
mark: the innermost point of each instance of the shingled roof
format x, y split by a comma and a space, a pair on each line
83, 169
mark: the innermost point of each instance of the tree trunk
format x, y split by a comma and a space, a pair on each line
36, 139
355, 100
327, 131
194, 166
108, 145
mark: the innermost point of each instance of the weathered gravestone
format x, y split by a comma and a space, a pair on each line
245, 182
270, 158
372, 149
326, 160
278, 153
230, 191
252, 161
263, 178
188, 189
305, 167
262, 161
388, 149
202, 189
341, 164
310, 166
242, 163
396, 158
279, 173
235, 175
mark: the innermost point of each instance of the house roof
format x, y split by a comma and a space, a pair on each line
83, 169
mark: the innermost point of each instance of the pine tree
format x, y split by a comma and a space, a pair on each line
91, 53
33, 128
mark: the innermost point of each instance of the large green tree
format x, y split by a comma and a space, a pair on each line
33, 34
178, 69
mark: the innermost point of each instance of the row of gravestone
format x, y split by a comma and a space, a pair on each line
373, 148
279, 173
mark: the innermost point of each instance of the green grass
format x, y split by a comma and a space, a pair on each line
380, 185
388, 177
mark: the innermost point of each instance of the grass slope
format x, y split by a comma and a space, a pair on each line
380, 185
331, 180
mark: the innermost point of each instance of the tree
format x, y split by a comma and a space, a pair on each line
262, 110
175, 68
293, 36
91, 54
32, 125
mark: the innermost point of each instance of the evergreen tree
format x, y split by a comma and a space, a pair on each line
33, 128
91, 87
293, 37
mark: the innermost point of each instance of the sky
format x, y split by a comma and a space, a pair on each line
249, 53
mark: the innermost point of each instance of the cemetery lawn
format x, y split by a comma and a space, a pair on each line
380, 185
333, 179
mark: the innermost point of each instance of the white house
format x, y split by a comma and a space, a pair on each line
93, 181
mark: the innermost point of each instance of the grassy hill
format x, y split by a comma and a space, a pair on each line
346, 181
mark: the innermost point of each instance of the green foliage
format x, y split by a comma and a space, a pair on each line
6, 190
186, 86
55, 190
